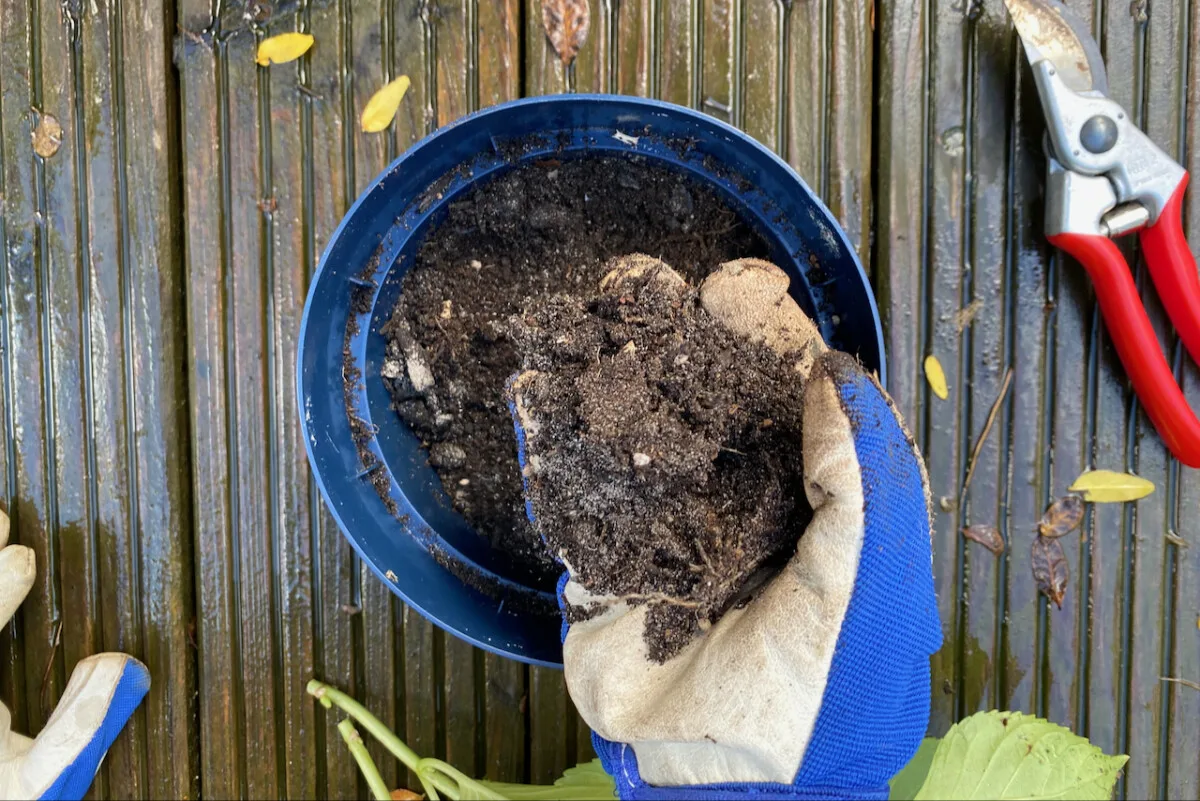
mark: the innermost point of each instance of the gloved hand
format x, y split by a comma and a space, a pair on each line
103, 692
819, 687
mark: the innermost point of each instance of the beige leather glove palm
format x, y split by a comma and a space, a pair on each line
819, 686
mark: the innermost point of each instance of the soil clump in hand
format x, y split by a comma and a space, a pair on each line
543, 228
662, 450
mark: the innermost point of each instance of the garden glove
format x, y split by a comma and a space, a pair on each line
103, 692
819, 686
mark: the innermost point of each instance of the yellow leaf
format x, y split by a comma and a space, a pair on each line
1105, 486
383, 105
283, 48
936, 377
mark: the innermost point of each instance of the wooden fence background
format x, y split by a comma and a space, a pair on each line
154, 270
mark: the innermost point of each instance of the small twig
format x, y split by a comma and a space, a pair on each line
49, 665
1184, 682
358, 750
966, 315
987, 429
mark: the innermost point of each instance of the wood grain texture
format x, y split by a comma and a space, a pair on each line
293, 514
154, 274
1182, 626
92, 288
31, 510
761, 71
550, 748
506, 704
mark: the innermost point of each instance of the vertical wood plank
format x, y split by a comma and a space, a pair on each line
25, 240
595, 69
460, 680
1068, 337
292, 514
1019, 653
807, 100
247, 264
761, 74
505, 709
990, 59
327, 196
111, 356
679, 28
549, 755
206, 153
1161, 91
899, 257
151, 249
1183, 704
1112, 531
69, 388
848, 192
420, 688
454, 28
1068, 295
719, 32
499, 64
944, 434
637, 73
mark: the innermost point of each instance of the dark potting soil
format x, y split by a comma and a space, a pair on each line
664, 460
542, 228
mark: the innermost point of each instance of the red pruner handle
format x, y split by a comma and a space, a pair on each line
1173, 269
1131, 333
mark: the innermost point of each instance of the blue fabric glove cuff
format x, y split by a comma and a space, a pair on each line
77, 778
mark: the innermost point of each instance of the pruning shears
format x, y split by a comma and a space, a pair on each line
1105, 178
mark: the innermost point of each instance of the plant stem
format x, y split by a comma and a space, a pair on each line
367, 765
330, 696
465, 785
432, 780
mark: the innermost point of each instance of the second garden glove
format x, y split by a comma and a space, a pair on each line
103, 692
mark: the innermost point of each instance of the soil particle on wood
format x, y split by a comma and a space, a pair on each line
663, 451
542, 228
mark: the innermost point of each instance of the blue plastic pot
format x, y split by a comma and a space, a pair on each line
419, 546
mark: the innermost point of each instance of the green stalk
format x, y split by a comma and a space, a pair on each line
466, 786
367, 765
432, 781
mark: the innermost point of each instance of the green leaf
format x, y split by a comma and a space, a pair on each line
905, 784
1007, 755
586, 782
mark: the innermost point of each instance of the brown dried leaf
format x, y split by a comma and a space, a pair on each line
566, 23
406, 795
1050, 569
47, 136
985, 535
966, 315
1062, 517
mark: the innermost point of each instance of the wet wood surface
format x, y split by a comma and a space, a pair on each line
155, 268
